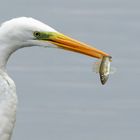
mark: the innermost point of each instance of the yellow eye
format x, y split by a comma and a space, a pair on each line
37, 34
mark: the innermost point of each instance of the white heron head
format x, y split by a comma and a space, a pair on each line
25, 32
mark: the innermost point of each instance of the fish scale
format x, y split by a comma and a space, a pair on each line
104, 69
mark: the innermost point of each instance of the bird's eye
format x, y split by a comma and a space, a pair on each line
37, 34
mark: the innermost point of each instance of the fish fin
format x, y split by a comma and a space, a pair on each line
113, 70
96, 66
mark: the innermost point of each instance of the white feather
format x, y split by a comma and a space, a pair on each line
14, 34
8, 102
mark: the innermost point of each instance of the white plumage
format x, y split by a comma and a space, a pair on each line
14, 34
8, 102
25, 32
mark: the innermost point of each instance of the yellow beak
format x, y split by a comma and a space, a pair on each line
68, 43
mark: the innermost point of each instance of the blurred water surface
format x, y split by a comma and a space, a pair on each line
60, 98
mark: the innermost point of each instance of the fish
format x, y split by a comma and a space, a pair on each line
104, 69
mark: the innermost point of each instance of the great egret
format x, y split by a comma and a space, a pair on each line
25, 32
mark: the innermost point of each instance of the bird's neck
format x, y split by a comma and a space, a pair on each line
5, 52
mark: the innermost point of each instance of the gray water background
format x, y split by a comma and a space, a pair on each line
60, 98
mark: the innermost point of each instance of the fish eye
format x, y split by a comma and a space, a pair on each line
37, 34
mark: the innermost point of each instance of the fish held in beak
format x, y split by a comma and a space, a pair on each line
68, 43
64, 42
104, 69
